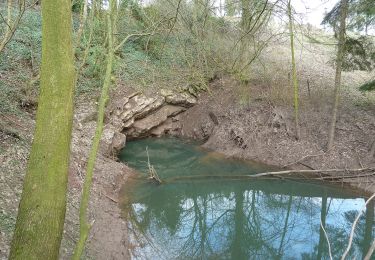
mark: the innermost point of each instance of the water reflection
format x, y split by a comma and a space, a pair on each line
258, 219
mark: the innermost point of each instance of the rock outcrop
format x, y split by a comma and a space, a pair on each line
143, 126
112, 141
137, 115
178, 98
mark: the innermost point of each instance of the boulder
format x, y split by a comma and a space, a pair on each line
112, 141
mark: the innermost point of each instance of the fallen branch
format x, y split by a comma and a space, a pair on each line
347, 176
128, 37
151, 170
302, 159
111, 198
276, 174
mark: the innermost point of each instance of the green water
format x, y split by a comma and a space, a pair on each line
233, 219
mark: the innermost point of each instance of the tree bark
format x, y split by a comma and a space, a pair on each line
369, 223
83, 219
294, 73
339, 58
41, 213
323, 216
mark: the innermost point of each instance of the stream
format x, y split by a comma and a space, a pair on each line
215, 218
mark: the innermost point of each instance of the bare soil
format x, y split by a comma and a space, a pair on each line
264, 130
109, 234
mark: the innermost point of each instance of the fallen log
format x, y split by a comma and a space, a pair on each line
349, 173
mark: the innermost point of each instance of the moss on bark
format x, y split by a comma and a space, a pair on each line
41, 213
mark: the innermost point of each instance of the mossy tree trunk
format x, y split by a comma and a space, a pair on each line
83, 219
41, 212
294, 73
339, 58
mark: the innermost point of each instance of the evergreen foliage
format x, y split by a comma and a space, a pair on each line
359, 51
368, 86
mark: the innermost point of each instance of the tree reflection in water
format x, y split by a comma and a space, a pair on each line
258, 219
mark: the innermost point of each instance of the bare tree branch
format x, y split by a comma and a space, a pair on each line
353, 228
329, 245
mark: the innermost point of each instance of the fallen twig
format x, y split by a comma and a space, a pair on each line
302, 159
347, 176
151, 170
111, 198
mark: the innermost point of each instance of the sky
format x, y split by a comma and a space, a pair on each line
312, 11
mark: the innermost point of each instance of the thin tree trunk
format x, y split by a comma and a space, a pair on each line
41, 212
323, 216
340, 55
12, 27
369, 223
82, 23
294, 72
83, 220
238, 249
245, 24
285, 229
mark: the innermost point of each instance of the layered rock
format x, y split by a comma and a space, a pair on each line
138, 115
142, 127
178, 98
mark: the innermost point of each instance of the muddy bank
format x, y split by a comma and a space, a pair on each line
109, 234
130, 114
263, 131
108, 238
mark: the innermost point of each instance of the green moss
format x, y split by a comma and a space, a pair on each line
41, 214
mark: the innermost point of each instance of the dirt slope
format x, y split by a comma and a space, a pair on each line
263, 130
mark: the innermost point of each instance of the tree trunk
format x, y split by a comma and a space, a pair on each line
340, 55
369, 223
285, 229
245, 26
323, 216
83, 220
41, 213
294, 73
